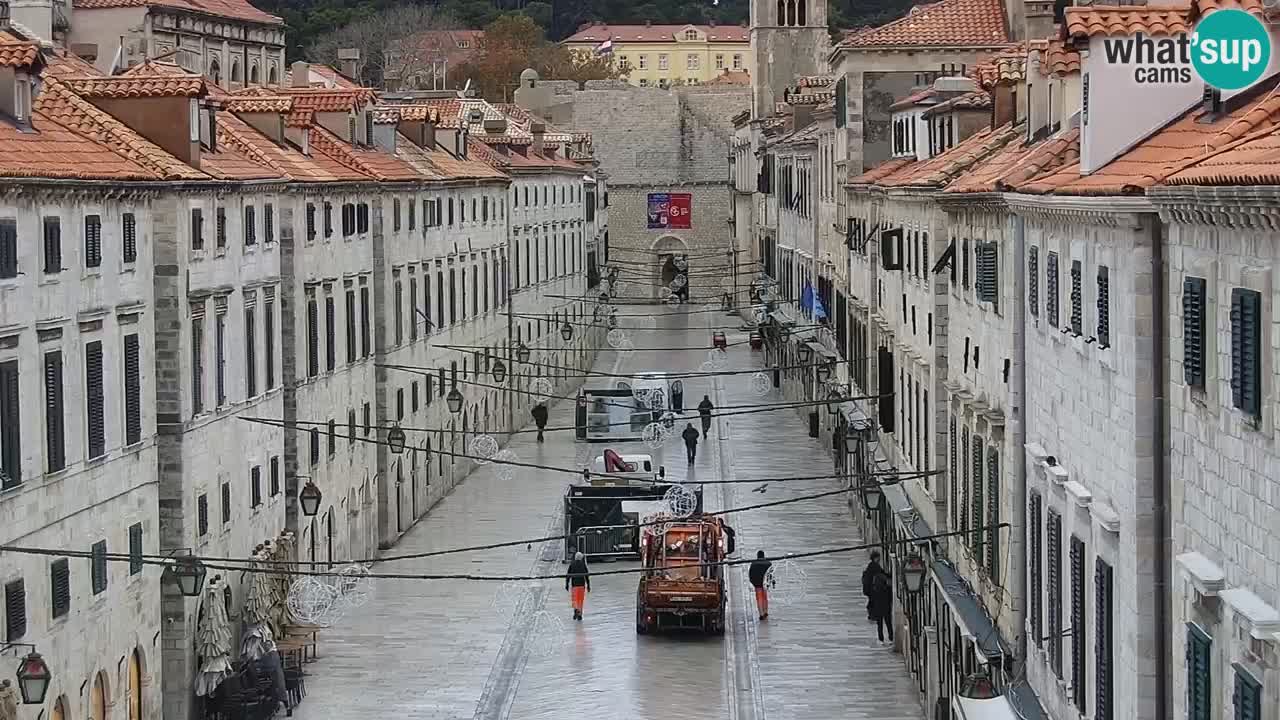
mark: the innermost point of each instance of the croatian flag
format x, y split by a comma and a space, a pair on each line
605, 48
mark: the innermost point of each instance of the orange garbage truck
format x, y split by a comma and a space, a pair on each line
678, 589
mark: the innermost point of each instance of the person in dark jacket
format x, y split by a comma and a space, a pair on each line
539, 413
880, 593
872, 568
690, 436
677, 396
704, 412
578, 582
757, 574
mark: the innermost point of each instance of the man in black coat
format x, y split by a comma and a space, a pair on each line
690, 436
539, 413
872, 568
704, 412
578, 582
757, 574
877, 585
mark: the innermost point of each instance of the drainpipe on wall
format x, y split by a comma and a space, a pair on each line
1018, 423
1163, 514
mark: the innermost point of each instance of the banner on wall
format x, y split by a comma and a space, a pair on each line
670, 211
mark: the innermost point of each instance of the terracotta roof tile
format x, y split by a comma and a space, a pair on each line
159, 67
1018, 162
58, 152
882, 170
300, 118
1089, 20
58, 102
63, 63
731, 77
980, 100
133, 86
1253, 160
1169, 150
283, 158
1006, 66
418, 113
257, 104
949, 23
942, 169
1255, 7
918, 97
599, 32
1058, 58
330, 99
386, 116
233, 9
377, 164
18, 54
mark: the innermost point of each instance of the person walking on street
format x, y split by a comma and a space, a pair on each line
872, 569
757, 574
578, 582
677, 397
539, 413
704, 412
690, 436
882, 604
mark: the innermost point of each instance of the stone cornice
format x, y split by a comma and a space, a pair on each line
1252, 207
963, 202
1108, 211
912, 194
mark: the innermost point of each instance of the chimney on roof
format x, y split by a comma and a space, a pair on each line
349, 62
495, 126
1038, 19
301, 72
539, 131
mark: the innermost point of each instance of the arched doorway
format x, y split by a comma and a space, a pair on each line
60, 709
98, 698
667, 248
135, 685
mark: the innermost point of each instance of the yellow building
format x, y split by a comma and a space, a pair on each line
667, 55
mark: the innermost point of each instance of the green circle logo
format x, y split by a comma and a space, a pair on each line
1230, 49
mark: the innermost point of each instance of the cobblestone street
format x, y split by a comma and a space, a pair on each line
441, 650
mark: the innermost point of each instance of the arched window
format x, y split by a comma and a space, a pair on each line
135, 685
60, 709
782, 12
98, 698
253, 74
215, 70
791, 12
690, 34
235, 70
800, 13
273, 75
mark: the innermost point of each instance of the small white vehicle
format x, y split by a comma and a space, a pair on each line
613, 469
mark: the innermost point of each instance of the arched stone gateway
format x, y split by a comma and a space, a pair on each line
666, 248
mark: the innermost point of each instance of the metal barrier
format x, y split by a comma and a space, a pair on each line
606, 541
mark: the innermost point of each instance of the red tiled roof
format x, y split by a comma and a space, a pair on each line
1255, 7
299, 118
132, 86
1168, 150
1253, 160
884, 169
18, 54
949, 23
258, 103
1089, 20
376, 164
599, 32
979, 100
65, 64
57, 152
916, 98
731, 77
329, 99
231, 9
1057, 57
942, 169
1005, 66
1018, 162
283, 158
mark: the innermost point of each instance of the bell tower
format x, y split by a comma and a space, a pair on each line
788, 39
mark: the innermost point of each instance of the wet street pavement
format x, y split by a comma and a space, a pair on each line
441, 649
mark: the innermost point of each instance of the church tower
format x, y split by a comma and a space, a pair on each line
788, 39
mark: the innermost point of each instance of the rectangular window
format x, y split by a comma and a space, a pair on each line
413, 215
330, 334
719, 62
993, 513
328, 220
1246, 351
351, 325
333, 437
255, 486
52, 245
250, 226
250, 351
15, 610
413, 396
220, 357
10, 435
202, 515
197, 364
95, 419
268, 223
226, 503
135, 549
132, 390
129, 238
351, 427
663, 61
1078, 627
976, 506
692, 62
413, 316
55, 436
220, 215
1054, 562
987, 282
98, 567
60, 587
311, 222
1246, 698
269, 330
1035, 567
1051, 289
314, 436
275, 476
1199, 674
398, 300
313, 335
1077, 299
453, 297
365, 347
1103, 707
368, 420
8, 248
1193, 331
92, 241
400, 404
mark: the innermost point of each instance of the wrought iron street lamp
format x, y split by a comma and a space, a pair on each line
33, 675
454, 401
499, 370
871, 496
187, 572
833, 401
309, 498
824, 372
803, 352
566, 331
396, 440
522, 352
913, 572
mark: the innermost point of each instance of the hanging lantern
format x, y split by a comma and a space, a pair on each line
824, 372
188, 574
566, 331
913, 572
396, 440
833, 401
522, 352
499, 370
33, 678
309, 499
871, 495
803, 352
978, 686
454, 400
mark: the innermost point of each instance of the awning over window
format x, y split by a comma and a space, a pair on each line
993, 709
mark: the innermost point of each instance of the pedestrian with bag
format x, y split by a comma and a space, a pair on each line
704, 412
578, 583
868, 573
882, 603
539, 413
757, 574
690, 436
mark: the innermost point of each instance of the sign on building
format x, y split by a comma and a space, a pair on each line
669, 211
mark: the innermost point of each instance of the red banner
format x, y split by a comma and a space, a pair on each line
670, 211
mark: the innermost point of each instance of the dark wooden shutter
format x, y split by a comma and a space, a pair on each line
395, 214
1247, 696
1193, 331
885, 390
891, 249
52, 245
1035, 565
314, 435
220, 357
313, 338
975, 499
328, 219
255, 486
1103, 684
1246, 340
1078, 628
953, 478
92, 241
351, 326
132, 390
251, 350
220, 217
15, 610
135, 549
268, 223
962, 508
129, 233
94, 409
964, 263
226, 503
1033, 280
367, 418
250, 226
10, 426
8, 248
1051, 289
98, 567
60, 587
1104, 307
275, 476
330, 334
1077, 299
1199, 674
54, 417
988, 280
333, 437
202, 515
993, 513
311, 222
1054, 577
364, 322
197, 229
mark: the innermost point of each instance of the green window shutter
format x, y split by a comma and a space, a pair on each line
1193, 315
1246, 340
993, 513
975, 500
1247, 696
1103, 707
1036, 565
1199, 674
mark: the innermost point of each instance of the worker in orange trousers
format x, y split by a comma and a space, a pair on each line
758, 574
578, 582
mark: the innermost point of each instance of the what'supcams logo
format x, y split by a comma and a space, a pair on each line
1229, 50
